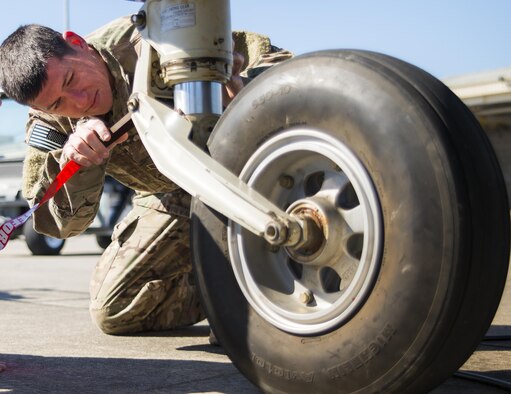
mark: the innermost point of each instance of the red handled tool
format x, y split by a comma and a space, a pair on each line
7, 228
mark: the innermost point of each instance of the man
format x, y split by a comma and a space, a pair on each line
77, 88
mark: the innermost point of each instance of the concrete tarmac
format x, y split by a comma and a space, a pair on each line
48, 343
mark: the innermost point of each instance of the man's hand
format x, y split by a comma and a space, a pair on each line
85, 145
235, 84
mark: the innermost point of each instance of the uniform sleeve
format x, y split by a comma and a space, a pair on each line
74, 206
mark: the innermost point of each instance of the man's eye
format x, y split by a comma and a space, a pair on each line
69, 80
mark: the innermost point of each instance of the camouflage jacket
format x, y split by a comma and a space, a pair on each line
74, 207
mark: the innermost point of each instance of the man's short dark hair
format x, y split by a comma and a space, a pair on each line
23, 60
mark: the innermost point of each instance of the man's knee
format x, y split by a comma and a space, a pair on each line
101, 318
109, 325
129, 314
159, 305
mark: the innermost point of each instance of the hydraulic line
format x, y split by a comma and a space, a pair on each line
485, 379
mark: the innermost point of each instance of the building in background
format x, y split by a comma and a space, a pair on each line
488, 95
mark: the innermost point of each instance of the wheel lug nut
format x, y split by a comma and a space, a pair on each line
306, 297
286, 181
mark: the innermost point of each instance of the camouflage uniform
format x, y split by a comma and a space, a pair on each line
143, 280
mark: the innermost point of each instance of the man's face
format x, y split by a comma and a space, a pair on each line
77, 85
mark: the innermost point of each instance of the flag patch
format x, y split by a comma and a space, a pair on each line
46, 138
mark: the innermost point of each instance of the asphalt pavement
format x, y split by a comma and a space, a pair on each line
48, 343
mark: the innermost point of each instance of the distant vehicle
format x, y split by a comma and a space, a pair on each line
115, 200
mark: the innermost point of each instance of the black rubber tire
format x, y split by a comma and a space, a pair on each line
445, 217
39, 244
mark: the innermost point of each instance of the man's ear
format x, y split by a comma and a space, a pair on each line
74, 39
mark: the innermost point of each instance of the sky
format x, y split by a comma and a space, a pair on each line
445, 37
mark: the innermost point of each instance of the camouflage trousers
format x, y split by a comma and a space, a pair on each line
143, 280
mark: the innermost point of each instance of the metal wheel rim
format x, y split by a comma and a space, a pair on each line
310, 297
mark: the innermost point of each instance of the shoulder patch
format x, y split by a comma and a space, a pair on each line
46, 138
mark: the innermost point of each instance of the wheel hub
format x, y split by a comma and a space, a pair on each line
319, 225
316, 284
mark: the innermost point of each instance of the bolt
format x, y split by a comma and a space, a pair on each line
271, 233
275, 233
133, 105
286, 181
138, 19
306, 297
